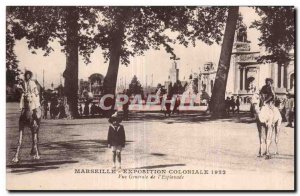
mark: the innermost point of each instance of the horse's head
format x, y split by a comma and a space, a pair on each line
27, 100
255, 101
255, 98
256, 108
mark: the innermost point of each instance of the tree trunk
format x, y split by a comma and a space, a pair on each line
219, 89
71, 71
110, 80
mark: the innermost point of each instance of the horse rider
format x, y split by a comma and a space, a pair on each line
267, 93
30, 90
267, 98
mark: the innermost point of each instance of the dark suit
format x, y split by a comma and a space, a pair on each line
116, 136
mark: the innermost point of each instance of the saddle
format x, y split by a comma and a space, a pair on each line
269, 114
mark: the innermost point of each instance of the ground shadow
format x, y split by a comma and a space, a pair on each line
158, 154
40, 165
46, 124
160, 166
282, 156
189, 117
57, 154
34, 169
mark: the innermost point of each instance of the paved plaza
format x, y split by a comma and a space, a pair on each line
189, 140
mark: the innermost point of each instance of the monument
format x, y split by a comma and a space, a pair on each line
207, 75
244, 62
174, 73
248, 73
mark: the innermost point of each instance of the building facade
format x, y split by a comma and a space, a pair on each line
93, 85
246, 73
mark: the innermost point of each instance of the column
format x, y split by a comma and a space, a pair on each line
285, 76
258, 78
241, 78
276, 75
244, 79
273, 73
282, 76
237, 78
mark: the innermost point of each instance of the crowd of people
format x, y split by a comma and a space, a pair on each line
288, 109
89, 109
232, 104
57, 108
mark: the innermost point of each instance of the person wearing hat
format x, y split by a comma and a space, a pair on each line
30, 89
267, 93
290, 108
116, 138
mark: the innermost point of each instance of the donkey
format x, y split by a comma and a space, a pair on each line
270, 120
31, 119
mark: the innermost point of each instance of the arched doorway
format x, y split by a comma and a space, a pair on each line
292, 80
250, 83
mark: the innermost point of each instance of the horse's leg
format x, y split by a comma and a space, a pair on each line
269, 132
16, 157
259, 128
264, 138
38, 139
277, 131
32, 152
34, 130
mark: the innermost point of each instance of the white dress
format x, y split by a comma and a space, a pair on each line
30, 88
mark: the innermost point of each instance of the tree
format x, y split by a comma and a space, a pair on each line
277, 27
178, 88
135, 87
72, 27
12, 71
122, 32
219, 89
129, 31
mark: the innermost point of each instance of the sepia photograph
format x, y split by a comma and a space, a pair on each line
150, 98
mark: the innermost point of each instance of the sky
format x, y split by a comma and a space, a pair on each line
154, 62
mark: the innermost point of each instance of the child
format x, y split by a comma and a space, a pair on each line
116, 138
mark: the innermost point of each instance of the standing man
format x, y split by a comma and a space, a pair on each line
290, 109
46, 108
176, 105
232, 104
237, 103
80, 109
227, 105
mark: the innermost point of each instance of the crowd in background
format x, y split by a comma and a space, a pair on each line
54, 108
232, 104
57, 108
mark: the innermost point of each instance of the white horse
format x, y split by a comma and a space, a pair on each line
269, 118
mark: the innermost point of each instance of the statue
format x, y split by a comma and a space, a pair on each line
241, 30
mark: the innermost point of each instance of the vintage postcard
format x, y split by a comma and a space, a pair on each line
150, 98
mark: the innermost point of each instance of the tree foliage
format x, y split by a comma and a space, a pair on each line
277, 27
12, 71
155, 27
71, 26
135, 87
41, 25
